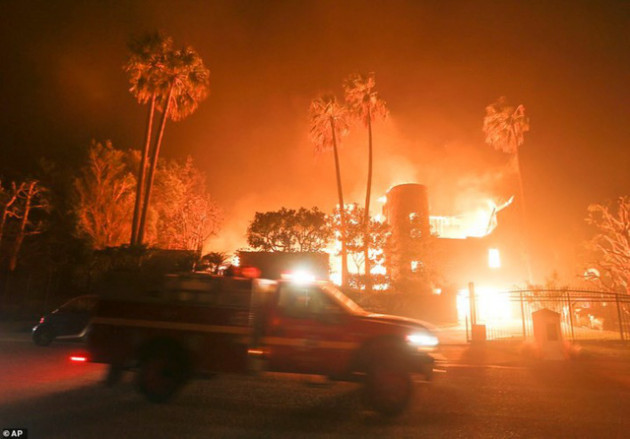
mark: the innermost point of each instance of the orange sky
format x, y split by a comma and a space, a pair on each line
437, 64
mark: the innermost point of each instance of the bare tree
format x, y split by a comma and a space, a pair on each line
183, 216
609, 263
32, 196
187, 214
8, 205
104, 196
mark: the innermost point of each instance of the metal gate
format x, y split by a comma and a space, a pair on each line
584, 315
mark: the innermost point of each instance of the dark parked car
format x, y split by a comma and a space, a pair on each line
69, 321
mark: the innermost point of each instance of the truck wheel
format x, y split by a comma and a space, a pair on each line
388, 386
162, 373
43, 336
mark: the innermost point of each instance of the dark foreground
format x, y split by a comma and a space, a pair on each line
484, 393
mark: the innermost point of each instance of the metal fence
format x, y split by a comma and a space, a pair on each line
584, 315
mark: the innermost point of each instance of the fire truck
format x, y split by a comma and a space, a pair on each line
201, 325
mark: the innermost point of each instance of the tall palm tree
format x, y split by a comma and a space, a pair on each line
328, 123
504, 127
146, 68
365, 106
182, 87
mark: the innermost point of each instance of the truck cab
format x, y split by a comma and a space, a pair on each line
314, 328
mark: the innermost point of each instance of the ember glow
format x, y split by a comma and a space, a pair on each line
493, 307
477, 223
494, 258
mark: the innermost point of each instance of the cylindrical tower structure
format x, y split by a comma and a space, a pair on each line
407, 213
407, 207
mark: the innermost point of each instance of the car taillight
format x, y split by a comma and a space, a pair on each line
41, 320
78, 358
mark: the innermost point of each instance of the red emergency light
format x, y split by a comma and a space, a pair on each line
250, 272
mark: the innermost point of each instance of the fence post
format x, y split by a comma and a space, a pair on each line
619, 317
570, 315
520, 293
467, 336
473, 305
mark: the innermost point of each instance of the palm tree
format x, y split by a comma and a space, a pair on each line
146, 68
328, 123
504, 128
365, 106
182, 86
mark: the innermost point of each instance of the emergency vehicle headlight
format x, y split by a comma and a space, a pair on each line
301, 277
422, 339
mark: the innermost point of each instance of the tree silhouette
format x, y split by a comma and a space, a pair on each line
32, 196
103, 195
182, 216
174, 82
187, 214
8, 205
146, 67
187, 81
365, 106
289, 230
610, 247
504, 128
328, 123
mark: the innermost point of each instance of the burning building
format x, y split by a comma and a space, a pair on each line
454, 250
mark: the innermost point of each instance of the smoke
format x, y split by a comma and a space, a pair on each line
461, 177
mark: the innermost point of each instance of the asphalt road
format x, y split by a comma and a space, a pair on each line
483, 393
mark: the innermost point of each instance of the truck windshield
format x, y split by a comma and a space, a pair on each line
347, 303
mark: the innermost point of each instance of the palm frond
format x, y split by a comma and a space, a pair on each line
190, 79
504, 127
327, 118
146, 63
362, 99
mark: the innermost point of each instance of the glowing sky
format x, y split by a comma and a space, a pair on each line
437, 64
